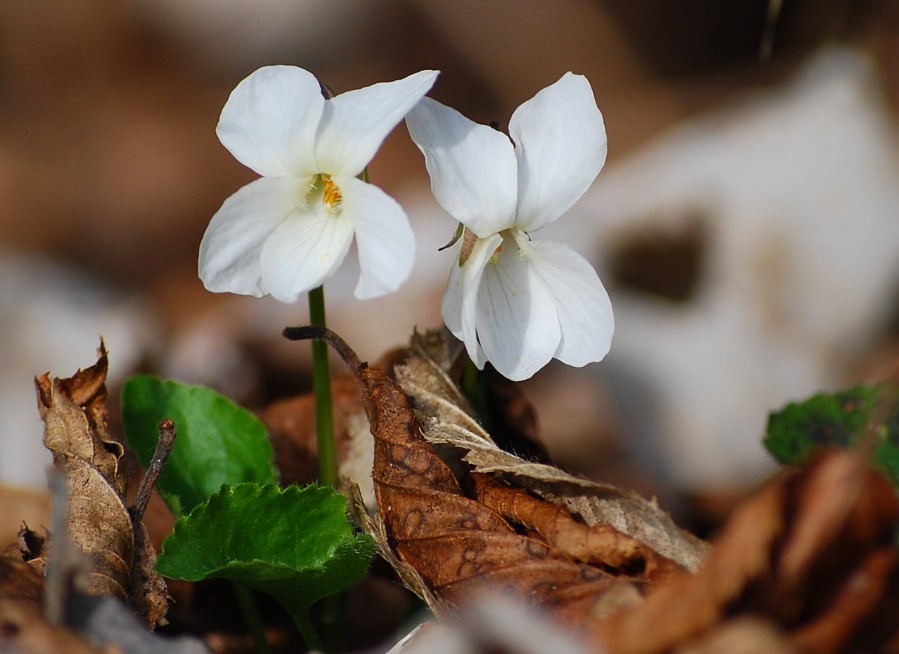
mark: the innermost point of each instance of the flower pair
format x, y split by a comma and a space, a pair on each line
514, 301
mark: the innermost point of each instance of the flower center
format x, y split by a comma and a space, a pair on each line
331, 195
469, 239
494, 258
322, 189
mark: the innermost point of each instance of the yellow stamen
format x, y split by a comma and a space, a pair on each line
331, 195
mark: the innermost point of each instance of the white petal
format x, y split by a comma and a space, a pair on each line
472, 167
355, 123
270, 119
304, 250
561, 145
582, 304
451, 304
516, 317
231, 247
472, 278
383, 235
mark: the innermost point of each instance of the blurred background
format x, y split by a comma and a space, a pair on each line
745, 223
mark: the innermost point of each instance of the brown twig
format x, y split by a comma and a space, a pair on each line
163, 449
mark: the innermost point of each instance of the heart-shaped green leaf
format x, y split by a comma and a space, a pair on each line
217, 442
295, 544
838, 420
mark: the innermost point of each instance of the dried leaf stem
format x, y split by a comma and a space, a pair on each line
157, 464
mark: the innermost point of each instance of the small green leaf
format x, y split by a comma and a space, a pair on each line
295, 544
217, 441
836, 420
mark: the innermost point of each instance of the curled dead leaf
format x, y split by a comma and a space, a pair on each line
454, 538
447, 420
98, 522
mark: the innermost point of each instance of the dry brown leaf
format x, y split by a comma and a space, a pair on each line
19, 505
98, 522
456, 543
813, 553
447, 420
750, 635
809, 564
22, 626
19, 582
291, 427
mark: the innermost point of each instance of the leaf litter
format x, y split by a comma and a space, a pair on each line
808, 564
91, 583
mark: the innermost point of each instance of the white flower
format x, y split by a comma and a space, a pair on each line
285, 233
514, 301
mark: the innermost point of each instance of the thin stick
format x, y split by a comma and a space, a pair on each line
163, 449
315, 332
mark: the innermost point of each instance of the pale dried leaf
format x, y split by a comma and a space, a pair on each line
446, 417
74, 415
97, 521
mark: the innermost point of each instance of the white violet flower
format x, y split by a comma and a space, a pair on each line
514, 301
285, 233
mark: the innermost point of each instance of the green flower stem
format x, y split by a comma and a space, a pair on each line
327, 455
307, 631
251, 616
333, 623
321, 383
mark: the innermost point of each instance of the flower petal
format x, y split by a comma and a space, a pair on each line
516, 317
451, 304
231, 247
472, 167
383, 235
304, 250
472, 276
582, 304
270, 119
355, 123
560, 142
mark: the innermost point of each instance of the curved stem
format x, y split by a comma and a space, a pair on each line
251, 616
307, 631
321, 383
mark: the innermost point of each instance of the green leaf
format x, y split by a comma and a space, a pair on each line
217, 442
295, 544
837, 420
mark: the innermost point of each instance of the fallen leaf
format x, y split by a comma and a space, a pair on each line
23, 633
23, 629
17, 506
93, 624
450, 545
813, 553
291, 427
20, 583
447, 420
97, 522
